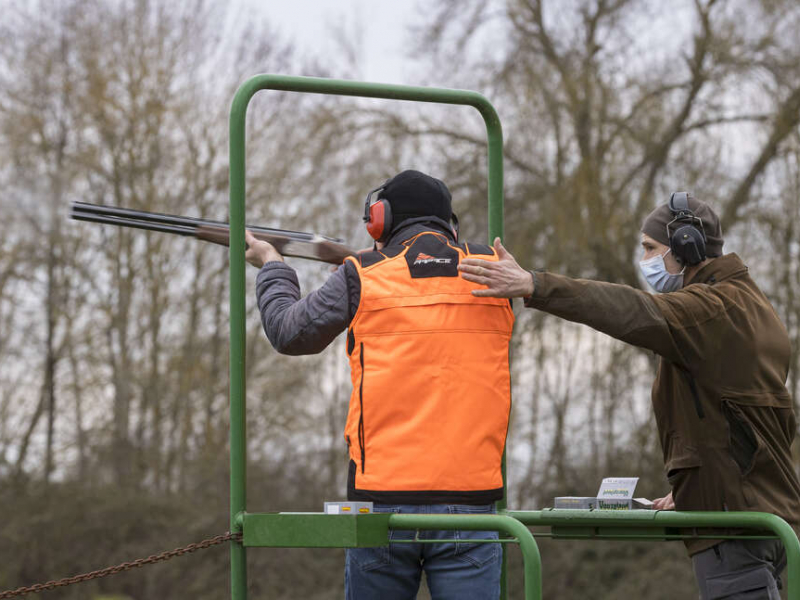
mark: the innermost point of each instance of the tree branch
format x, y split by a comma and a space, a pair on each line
786, 121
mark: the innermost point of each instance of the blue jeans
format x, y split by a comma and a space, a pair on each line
455, 571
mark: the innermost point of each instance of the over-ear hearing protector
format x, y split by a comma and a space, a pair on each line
688, 240
378, 216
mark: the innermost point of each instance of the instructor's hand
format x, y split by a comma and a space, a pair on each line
665, 503
504, 278
259, 253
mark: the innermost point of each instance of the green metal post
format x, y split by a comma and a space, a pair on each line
237, 263
238, 439
530, 551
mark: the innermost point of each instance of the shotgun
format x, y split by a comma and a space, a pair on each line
289, 243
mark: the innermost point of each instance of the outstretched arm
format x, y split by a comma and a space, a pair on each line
620, 311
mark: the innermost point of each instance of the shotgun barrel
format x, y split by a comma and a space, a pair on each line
289, 243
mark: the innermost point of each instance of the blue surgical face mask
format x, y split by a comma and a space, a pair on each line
656, 274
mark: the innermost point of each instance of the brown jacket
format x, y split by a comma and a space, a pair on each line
724, 415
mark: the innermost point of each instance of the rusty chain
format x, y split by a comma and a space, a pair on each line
126, 566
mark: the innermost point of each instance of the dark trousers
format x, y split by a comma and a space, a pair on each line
740, 570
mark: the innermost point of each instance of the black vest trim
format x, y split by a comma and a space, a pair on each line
392, 251
370, 258
419, 497
480, 249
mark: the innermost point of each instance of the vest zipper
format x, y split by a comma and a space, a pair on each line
361, 440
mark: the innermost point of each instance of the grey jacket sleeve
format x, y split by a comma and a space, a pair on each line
298, 326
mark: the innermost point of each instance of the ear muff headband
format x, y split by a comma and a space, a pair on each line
688, 240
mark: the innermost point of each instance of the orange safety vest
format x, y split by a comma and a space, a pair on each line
429, 363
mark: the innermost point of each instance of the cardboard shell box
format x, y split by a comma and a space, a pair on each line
615, 493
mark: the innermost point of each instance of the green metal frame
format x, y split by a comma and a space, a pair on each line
237, 263
647, 525
317, 530
350, 531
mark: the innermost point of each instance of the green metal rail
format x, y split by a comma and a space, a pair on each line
318, 530
643, 525
304, 530
237, 263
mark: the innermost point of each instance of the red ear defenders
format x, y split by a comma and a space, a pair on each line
378, 216
688, 240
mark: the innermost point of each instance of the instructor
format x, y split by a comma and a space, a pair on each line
724, 416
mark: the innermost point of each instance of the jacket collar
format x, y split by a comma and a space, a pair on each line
719, 269
406, 232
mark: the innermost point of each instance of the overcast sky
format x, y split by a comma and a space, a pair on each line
380, 25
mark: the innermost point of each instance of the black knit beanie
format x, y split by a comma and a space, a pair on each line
655, 225
413, 194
